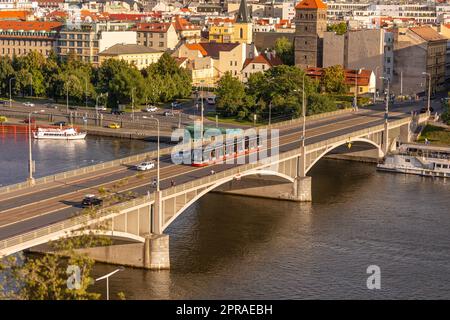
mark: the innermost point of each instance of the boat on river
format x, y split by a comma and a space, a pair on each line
420, 159
59, 134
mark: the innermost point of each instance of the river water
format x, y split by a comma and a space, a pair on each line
233, 247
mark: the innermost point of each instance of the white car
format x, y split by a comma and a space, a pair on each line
147, 165
28, 104
150, 109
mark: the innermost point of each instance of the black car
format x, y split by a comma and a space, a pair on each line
117, 112
73, 108
425, 109
60, 123
91, 201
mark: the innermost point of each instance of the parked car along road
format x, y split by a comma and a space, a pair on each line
28, 104
150, 109
114, 125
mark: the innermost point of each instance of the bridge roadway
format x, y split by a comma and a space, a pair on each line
31, 208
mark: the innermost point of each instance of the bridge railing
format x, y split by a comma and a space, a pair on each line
74, 223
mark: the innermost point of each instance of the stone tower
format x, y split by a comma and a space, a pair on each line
310, 25
243, 27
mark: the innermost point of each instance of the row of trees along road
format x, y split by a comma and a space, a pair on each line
280, 86
115, 80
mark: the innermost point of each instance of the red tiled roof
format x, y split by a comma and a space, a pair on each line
181, 24
17, 15
196, 46
263, 59
427, 33
311, 4
153, 27
30, 25
130, 16
350, 75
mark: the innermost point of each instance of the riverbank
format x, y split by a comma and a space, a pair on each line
438, 135
16, 126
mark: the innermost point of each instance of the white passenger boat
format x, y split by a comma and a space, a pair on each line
424, 160
59, 134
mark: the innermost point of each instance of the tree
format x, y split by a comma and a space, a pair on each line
6, 73
319, 103
230, 94
340, 28
166, 80
122, 81
285, 50
333, 80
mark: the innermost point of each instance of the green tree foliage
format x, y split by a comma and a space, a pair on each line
53, 276
319, 103
231, 94
333, 80
166, 81
285, 50
340, 28
29, 72
6, 73
122, 81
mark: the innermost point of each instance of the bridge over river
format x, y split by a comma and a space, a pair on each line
32, 215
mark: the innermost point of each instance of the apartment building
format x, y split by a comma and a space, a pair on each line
137, 55
260, 63
160, 36
86, 40
418, 50
209, 61
360, 49
17, 38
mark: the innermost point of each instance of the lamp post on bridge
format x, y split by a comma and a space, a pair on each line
386, 117
30, 153
429, 91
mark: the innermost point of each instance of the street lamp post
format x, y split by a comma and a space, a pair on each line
67, 97
429, 90
157, 155
10, 94
375, 91
106, 276
86, 93
31, 85
132, 102
270, 113
30, 153
386, 109
356, 88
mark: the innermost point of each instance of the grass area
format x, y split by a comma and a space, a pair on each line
435, 135
231, 120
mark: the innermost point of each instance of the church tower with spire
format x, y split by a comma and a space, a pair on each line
243, 27
310, 25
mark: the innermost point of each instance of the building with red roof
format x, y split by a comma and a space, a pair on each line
18, 38
260, 63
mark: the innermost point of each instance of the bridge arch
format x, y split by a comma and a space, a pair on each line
338, 144
223, 181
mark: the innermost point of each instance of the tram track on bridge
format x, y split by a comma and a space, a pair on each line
286, 140
124, 168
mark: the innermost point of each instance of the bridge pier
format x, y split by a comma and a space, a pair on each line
269, 187
302, 189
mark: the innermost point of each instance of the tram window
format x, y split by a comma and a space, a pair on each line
438, 165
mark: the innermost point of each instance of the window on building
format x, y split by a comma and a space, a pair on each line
161, 35
161, 44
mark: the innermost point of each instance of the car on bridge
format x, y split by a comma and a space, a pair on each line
169, 114
146, 165
28, 104
60, 123
425, 109
90, 201
29, 120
